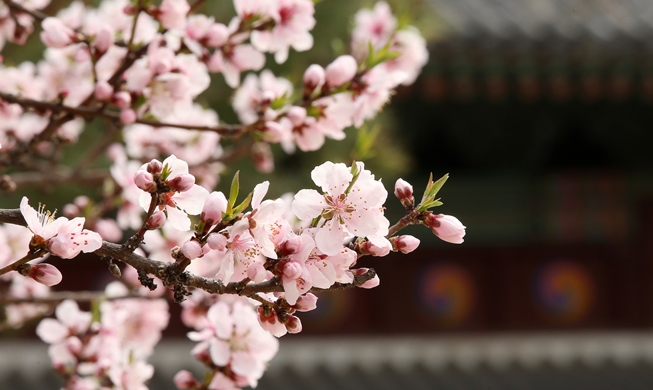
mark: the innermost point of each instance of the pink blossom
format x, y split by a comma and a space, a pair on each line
306, 302
55, 33
235, 338
172, 13
314, 77
128, 116
374, 26
293, 19
238, 59
405, 243
184, 380
45, 274
191, 249
177, 204
64, 238
144, 180
340, 71
447, 228
357, 212
103, 90
403, 189
70, 321
214, 205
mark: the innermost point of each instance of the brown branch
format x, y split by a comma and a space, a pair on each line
88, 113
60, 176
167, 272
38, 15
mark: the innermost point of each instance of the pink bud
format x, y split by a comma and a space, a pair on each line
297, 115
81, 55
404, 191
375, 281
45, 274
340, 71
447, 228
103, 91
55, 33
405, 244
104, 39
191, 249
217, 241
292, 271
156, 220
214, 205
122, 99
184, 380
144, 180
74, 345
172, 13
306, 302
313, 77
374, 250
130, 10
217, 35
291, 245
293, 325
155, 166
182, 183
128, 116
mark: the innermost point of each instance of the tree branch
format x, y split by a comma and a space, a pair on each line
87, 113
168, 273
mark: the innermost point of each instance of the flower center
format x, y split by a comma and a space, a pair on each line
337, 207
45, 216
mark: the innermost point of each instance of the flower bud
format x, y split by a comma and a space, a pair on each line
191, 249
172, 13
214, 205
45, 274
296, 114
182, 183
404, 244
375, 281
122, 99
103, 90
55, 33
404, 192
156, 220
128, 116
292, 271
104, 39
262, 156
374, 250
144, 180
448, 228
306, 302
293, 325
154, 167
313, 77
217, 35
184, 380
217, 241
340, 71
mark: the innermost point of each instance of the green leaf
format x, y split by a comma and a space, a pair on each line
435, 187
239, 209
233, 192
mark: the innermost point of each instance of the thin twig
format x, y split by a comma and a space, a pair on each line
88, 113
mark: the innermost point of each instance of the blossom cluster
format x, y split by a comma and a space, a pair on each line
140, 67
109, 352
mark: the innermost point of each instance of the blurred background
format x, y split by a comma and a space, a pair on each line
540, 111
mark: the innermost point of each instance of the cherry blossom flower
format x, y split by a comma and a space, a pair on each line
293, 19
62, 237
235, 339
448, 228
346, 212
177, 204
